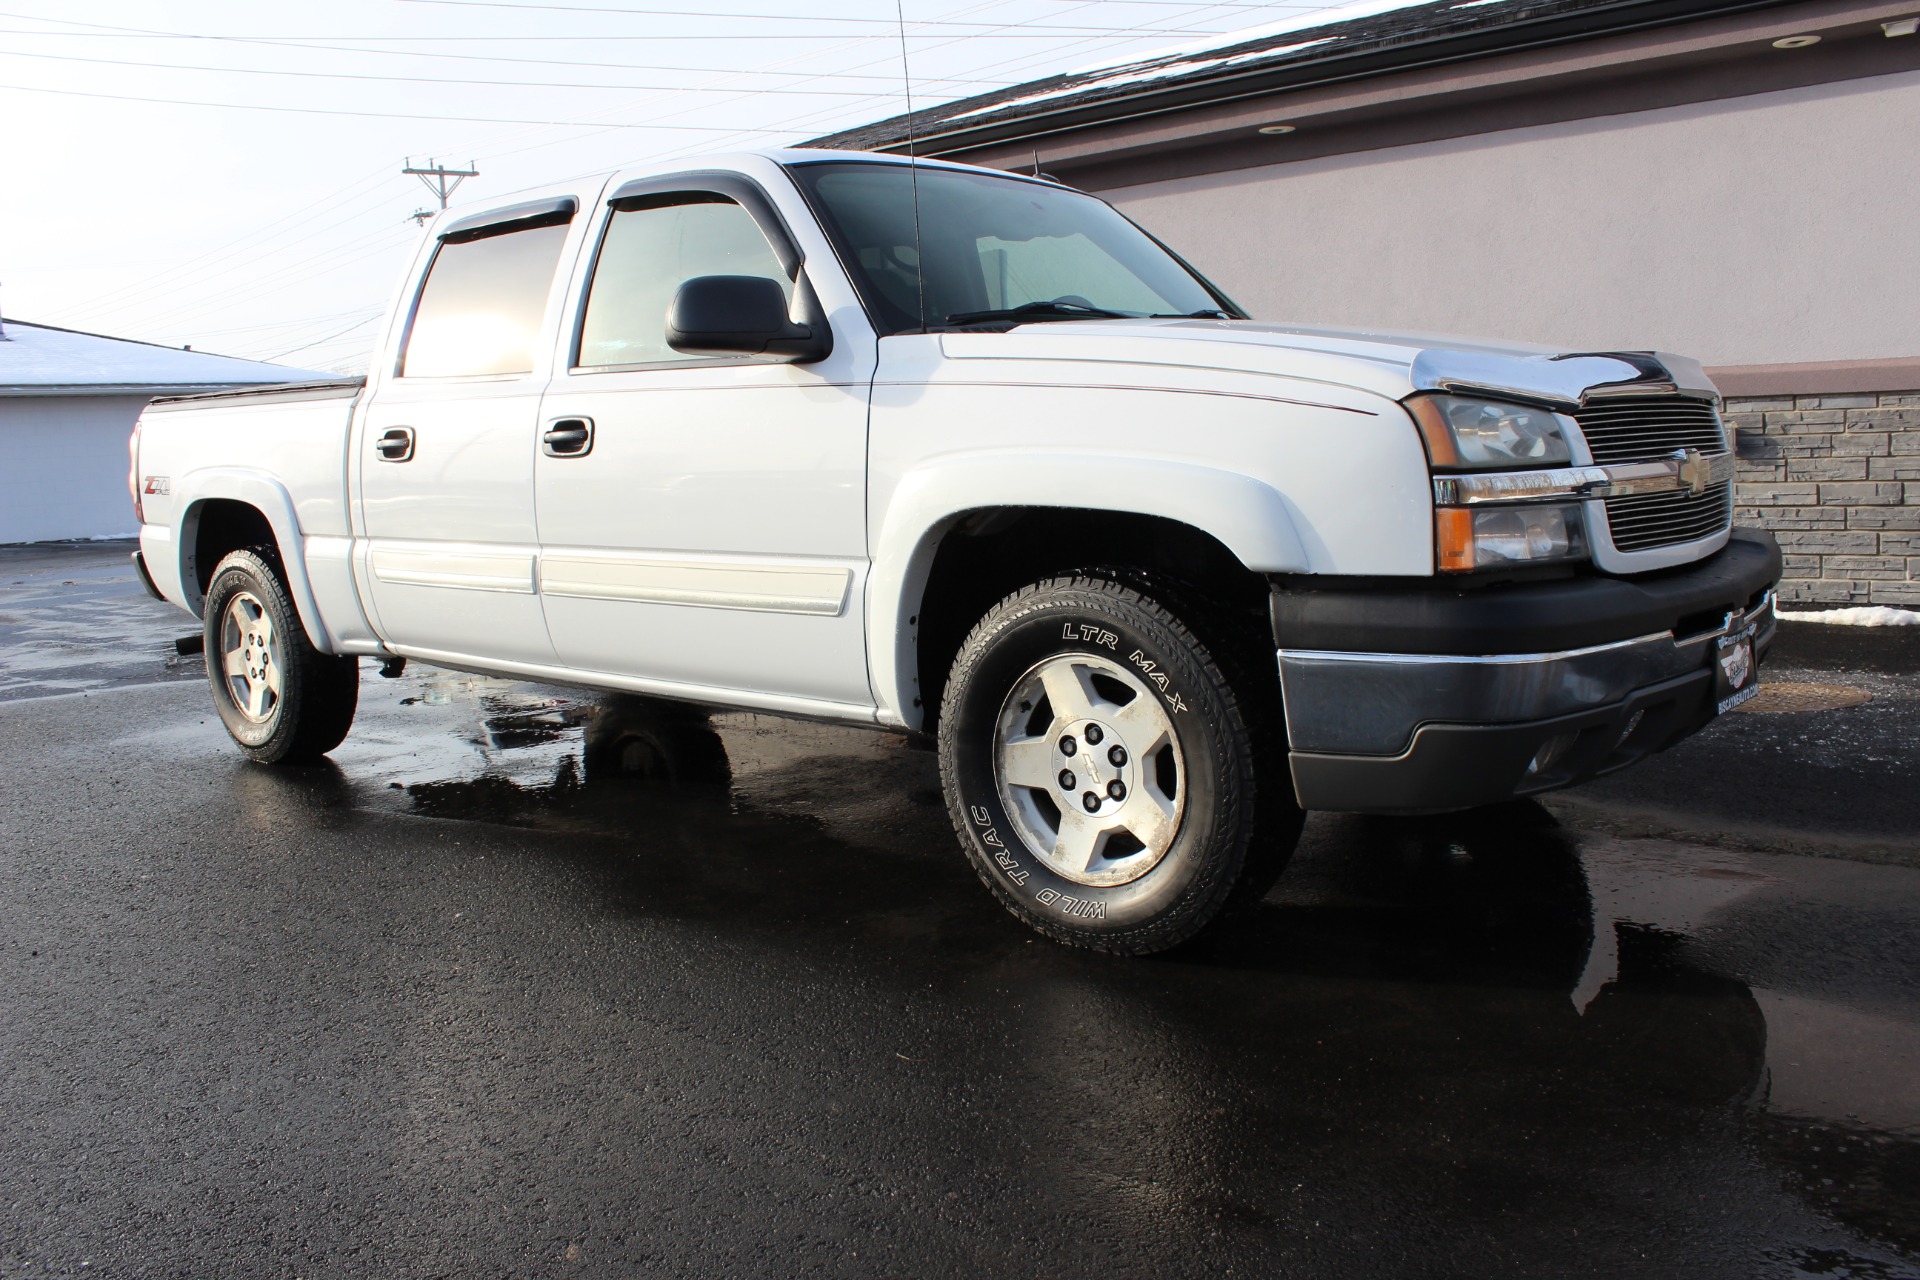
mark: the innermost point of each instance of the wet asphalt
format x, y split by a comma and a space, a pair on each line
528, 982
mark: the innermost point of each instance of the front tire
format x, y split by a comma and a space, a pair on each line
280, 698
1117, 780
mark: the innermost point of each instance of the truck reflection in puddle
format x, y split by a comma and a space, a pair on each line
610, 754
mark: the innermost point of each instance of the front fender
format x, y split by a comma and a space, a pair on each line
270, 498
1250, 518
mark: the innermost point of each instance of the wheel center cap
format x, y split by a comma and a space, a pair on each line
1095, 774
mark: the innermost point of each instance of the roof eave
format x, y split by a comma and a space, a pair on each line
1603, 19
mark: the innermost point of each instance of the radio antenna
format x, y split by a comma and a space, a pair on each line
913, 164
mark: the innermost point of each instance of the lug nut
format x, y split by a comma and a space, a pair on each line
1068, 747
1067, 782
1117, 789
1117, 756
1094, 735
1091, 801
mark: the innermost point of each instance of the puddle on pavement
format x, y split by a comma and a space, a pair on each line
73, 619
1491, 949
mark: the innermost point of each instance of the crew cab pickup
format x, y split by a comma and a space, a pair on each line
970, 455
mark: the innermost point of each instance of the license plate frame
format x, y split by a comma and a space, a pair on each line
1736, 674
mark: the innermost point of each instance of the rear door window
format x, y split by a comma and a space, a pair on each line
480, 310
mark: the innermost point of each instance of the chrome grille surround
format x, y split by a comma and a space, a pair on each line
1651, 530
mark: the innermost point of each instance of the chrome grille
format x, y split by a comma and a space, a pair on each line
1642, 521
1648, 428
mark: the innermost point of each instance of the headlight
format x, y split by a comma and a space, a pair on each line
1484, 435
1469, 538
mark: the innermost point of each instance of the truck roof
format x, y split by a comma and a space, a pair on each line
743, 161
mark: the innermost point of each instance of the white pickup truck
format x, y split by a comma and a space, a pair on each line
969, 454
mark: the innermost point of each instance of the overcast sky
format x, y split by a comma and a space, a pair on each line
226, 173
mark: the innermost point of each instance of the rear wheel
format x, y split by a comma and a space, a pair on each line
280, 698
1117, 780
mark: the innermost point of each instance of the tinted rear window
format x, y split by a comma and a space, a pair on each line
480, 309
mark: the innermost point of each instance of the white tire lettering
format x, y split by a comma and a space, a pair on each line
1079, 908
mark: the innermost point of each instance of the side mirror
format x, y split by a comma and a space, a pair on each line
742, 316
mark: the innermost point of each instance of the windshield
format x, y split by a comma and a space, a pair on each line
994, 246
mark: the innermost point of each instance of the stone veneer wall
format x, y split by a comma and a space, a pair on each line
1837, 479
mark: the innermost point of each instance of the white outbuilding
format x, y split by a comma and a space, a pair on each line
68, 401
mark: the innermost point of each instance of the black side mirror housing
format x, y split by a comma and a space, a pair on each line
744, 316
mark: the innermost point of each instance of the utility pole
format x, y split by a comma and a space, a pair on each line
440, 180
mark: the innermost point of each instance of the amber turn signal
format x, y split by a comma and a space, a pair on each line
1453, 539
1442, 452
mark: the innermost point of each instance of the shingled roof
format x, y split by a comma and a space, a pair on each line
1384, 37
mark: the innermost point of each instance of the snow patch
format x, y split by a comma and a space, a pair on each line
1859, 616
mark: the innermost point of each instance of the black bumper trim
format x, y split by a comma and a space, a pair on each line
1460, 766
1535, 617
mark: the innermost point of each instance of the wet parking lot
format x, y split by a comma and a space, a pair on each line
532, 982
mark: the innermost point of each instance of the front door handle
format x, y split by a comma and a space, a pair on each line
395, 444
568, 438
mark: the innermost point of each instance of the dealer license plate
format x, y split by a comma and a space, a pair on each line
1736, 676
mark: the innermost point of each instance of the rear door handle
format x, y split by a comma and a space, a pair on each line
568, 438
395, 444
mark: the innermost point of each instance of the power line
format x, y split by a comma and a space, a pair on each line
749, 92
488, 84
330, 263
144, 33
329, 338
655, 38
135, 289
174, 309
838, 113
295, 323
1055, 29
385, 115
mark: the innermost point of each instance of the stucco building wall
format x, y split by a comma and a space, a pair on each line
1774, 228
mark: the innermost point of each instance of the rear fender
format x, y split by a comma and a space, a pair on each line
270, 498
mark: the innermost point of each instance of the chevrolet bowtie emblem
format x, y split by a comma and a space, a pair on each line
1696, 470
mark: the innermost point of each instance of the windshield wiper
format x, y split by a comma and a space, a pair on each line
1038, 311
1204, 313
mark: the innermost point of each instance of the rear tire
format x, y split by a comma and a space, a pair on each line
280, 698
1118, 781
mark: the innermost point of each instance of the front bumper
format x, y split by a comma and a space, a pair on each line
1480, 698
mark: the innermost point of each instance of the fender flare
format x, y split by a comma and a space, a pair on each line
1251, 519
270, 498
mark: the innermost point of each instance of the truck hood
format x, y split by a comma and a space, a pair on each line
1389, 364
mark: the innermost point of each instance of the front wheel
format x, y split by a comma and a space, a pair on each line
281, 699
1117, 783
